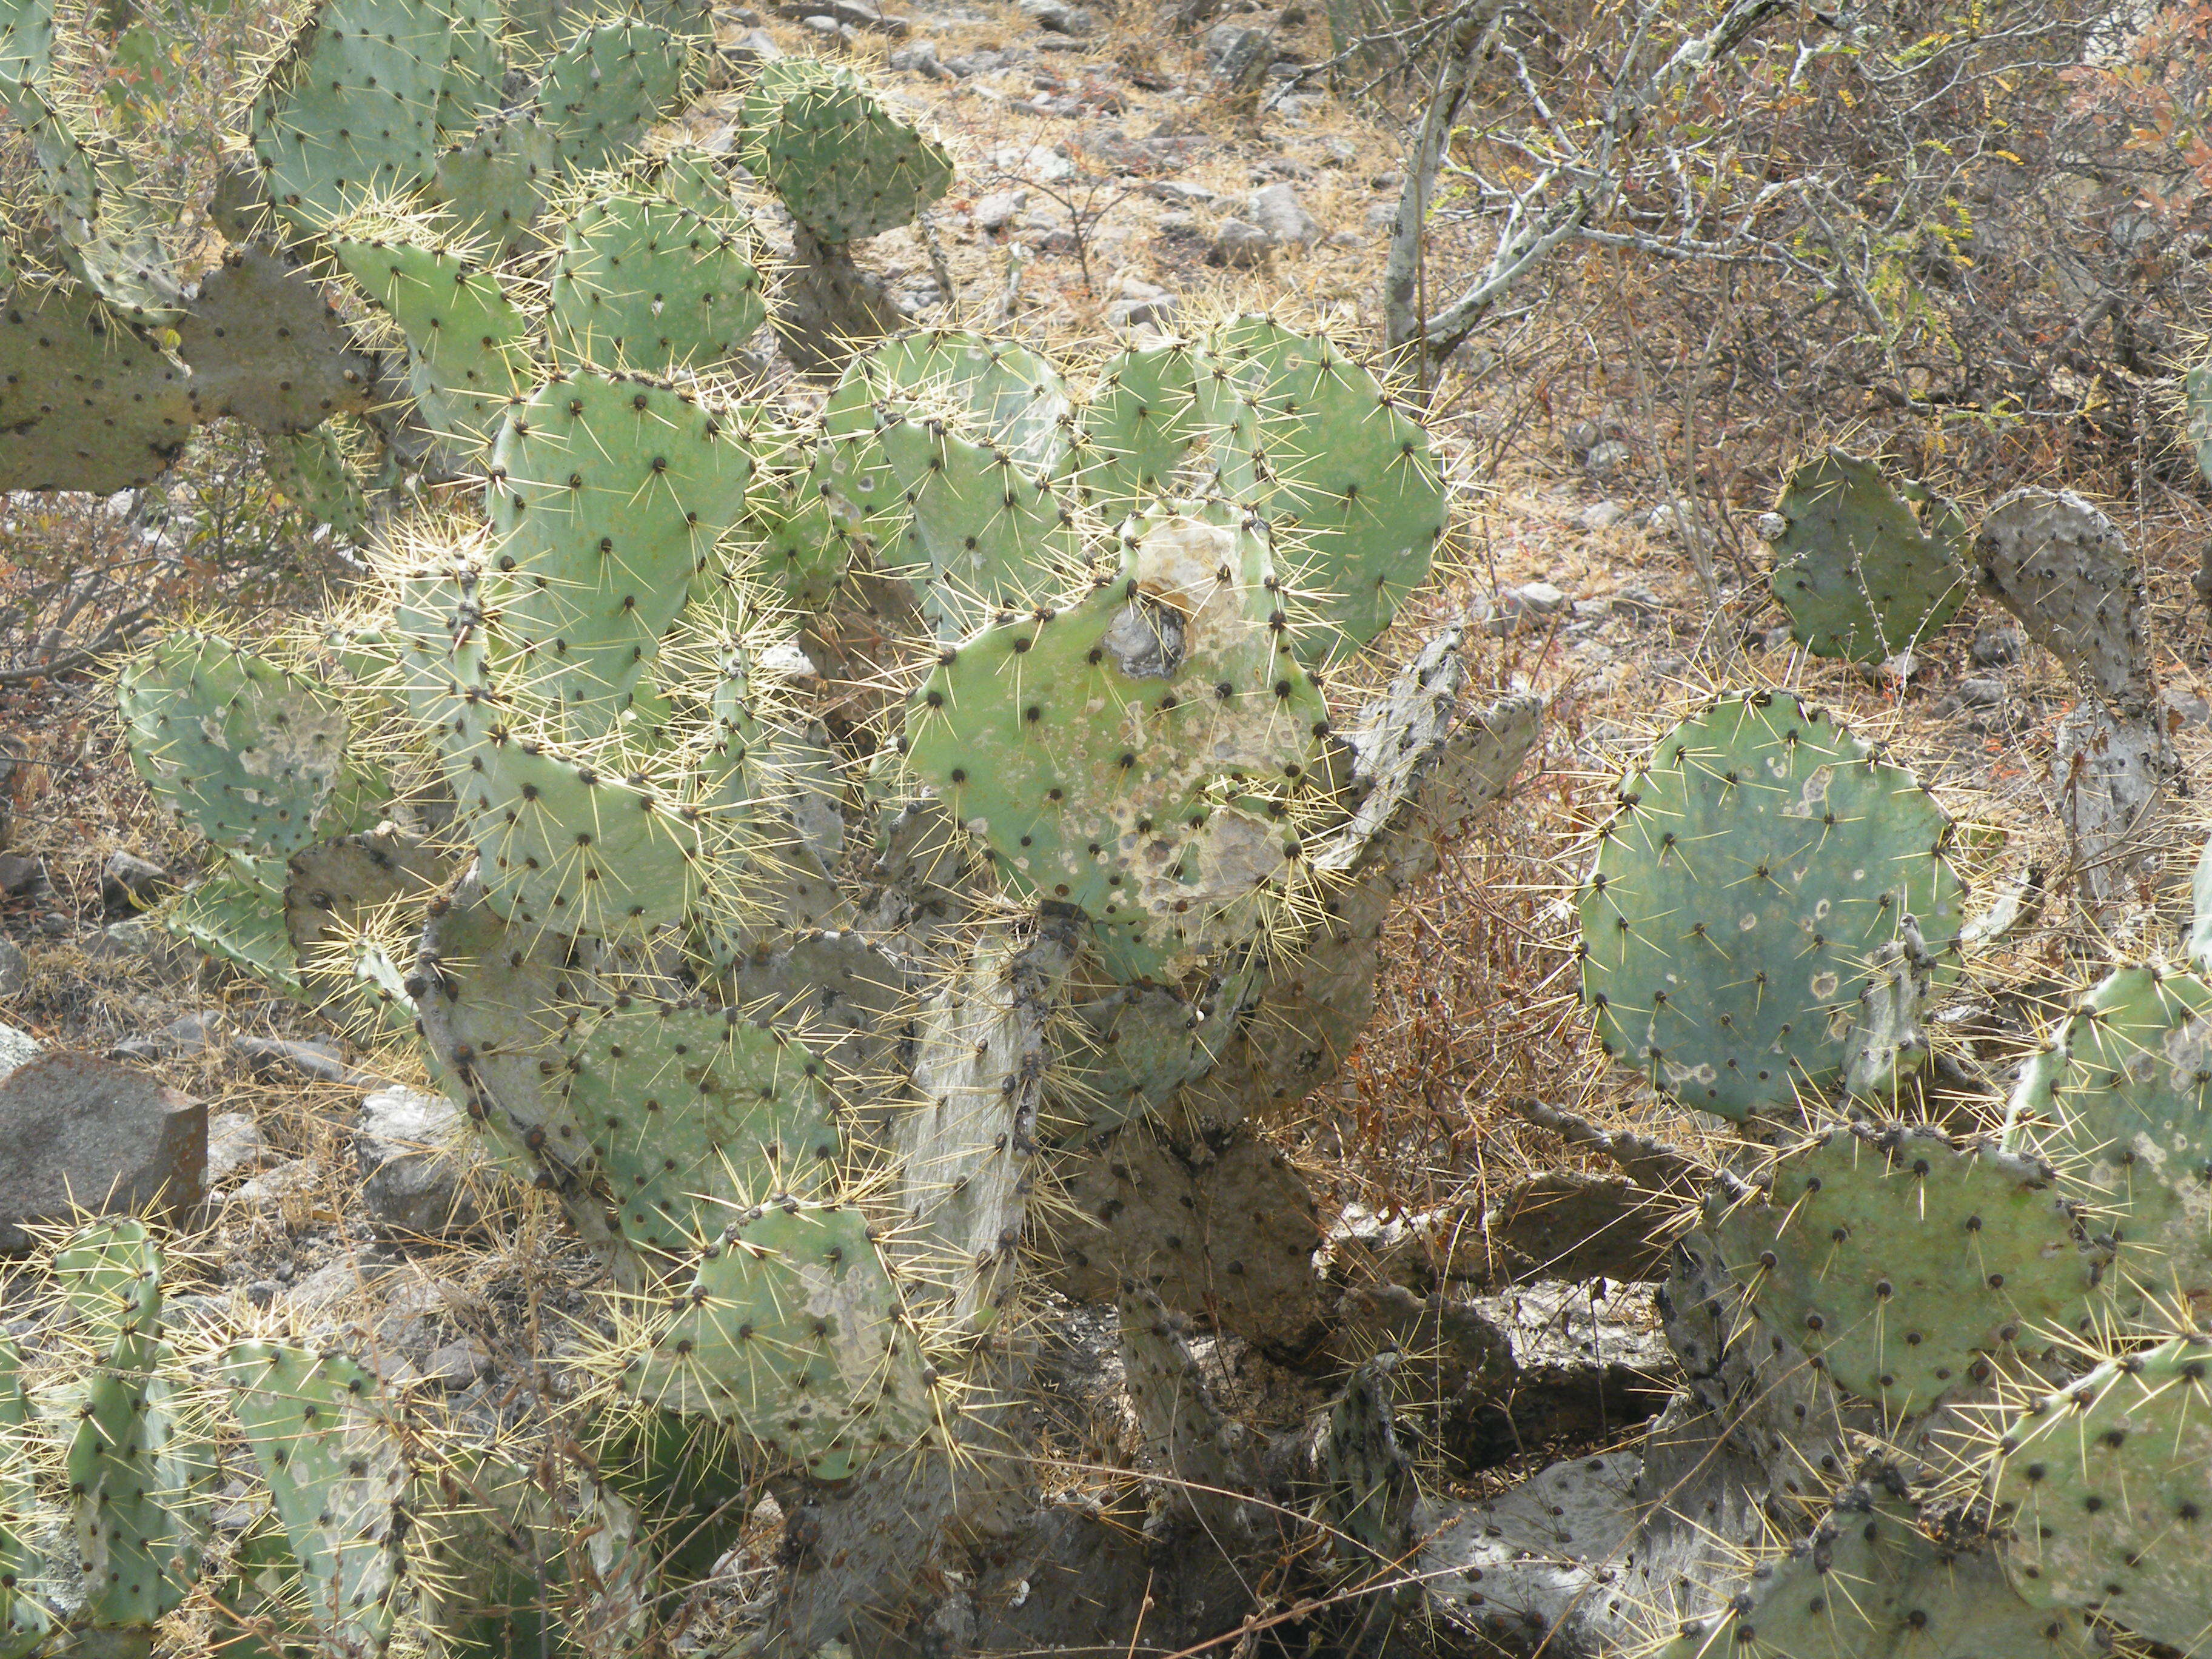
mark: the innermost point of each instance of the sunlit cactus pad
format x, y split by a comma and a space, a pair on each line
2117, 1100
1869, 1585
467, 342
845, 166
1132, 754
793, 1329
2105, 1487
1755, 862
610, 82
1861, 574
645, 284
697, 1113
1903, 1264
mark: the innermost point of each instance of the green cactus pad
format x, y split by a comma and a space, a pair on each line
246, 752
237, 921
843, 164
646, 285
350, 112
1128, 1051
1004, 392
258, 1611
1356, 501
1903, 1264
605, 87
1868, 1582
1862, 575
26, 46
1130, 755
983, 536
793, 1330
86, 403
440, 659
109, 1275
2117, 1099
467, 343
494, 181
135, 1478
24, 1622
316, 472
607, 495
2105, 1487
697, 1113
565, 847
797, 545
332, 1461
1755, 862
1152, 406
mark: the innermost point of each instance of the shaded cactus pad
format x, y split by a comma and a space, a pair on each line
1862, 575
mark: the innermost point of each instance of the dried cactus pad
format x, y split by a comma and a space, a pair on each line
2106, 1488
246, 752
844, 164
1132, 754
646, 285
333, 1464
1861, 574
2063, 568
793, 1330
697, 1113
2117, 1099
1902, 1263
1869, 1582
1757, 860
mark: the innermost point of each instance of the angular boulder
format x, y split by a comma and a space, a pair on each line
81, 1133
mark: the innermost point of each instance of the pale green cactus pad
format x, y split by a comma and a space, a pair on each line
606, 499
24, 1621
246, 752
494, 181
696, 1114
797, 543
1004, 391
1152, 407
1134, 755
646, 285
2117, 1099
330, 1455
844, 164
467, 342
2105, 1487
317, 472
1755, 862
239, 921
1357, 500
608, 84
1906, 1266
793, 1330
1861, 574
1868, 1582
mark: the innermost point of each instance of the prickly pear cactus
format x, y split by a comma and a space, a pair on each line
1861, 574
88, 404
606, 86
646, 285
332, 1461
1755, 864
795, 1330
2117, 1099
1905, 1265
467, 341
2103, 1487
2063, 567
845, 166
24, 1621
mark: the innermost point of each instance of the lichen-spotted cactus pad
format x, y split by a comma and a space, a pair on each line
1133, 754
2117, 1099
1862, 575
1905, 1265
2107, 1489
1754, 862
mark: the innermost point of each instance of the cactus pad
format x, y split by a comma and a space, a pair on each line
494, 181
1755, 862
246, 752
793, 1330
332, 1461
467, 354
1904, 1264
1869, 1581
1357, 500
316, 472
1152, 406
608, 84
1003, 391
2117, 1100
1861, 574
844, 164
23, 1621
87, 403
2063, 568
1130, 755
696, 1114
2105, 1487
236, 919
646, 285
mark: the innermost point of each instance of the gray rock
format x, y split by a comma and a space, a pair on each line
1232, 52
1541, 598
1607, 457
14, 969
266, 1193
1601, 515
21, 873
190, 1033
81, 1133
1174, 189
2183, 707
1518, 609
17, 1049
129, 883
456, 1365
751, 49
1141, 302
1276, 210
921, 58
995, 210
1981, 693
1053, 16
1175, 222
315, 1058
1996, 644
414, 1160
128, 938
1379, 216
1238, 244
234, 1147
